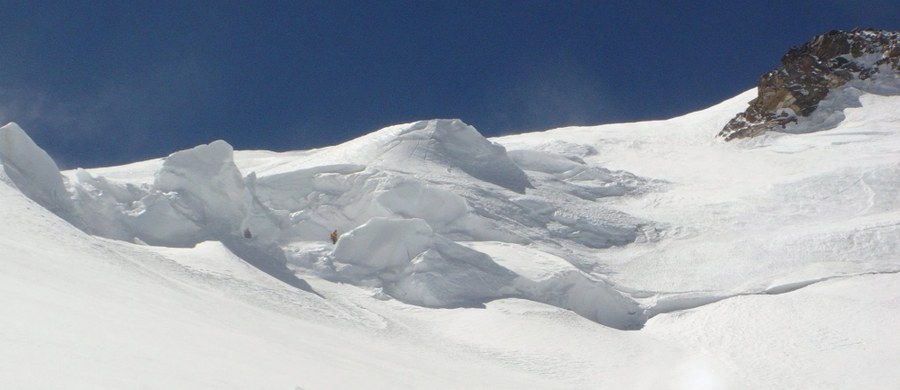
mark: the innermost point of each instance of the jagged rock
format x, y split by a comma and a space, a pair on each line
809, 72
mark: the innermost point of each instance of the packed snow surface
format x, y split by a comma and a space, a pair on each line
641, 255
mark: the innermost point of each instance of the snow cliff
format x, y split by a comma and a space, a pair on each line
762, 264
33, 172
401, 196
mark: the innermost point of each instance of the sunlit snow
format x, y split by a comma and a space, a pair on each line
642, 255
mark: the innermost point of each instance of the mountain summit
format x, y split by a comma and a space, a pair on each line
814, 79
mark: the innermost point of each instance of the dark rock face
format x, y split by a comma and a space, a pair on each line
807, 73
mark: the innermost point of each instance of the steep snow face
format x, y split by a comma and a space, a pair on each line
209, 183
415, 199
384, 243
624, 205
417, 266
433, 170
428, 170
408, 261
212, 192
82, 312
425, 185
547, 278
455, 144
197, 194
32, 171
656, 226
435, 147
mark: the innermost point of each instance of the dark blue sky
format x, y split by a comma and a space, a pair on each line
99, 83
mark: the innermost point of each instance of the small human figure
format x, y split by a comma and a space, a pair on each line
334, 237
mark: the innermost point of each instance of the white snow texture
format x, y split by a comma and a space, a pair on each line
643, 255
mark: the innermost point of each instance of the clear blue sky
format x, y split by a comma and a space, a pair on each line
100, 83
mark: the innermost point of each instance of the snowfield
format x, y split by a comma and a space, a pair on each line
645, 255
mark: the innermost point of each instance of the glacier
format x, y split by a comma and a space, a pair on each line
638, 255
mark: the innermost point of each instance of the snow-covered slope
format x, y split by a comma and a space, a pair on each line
86, 312
640, 255
759, 215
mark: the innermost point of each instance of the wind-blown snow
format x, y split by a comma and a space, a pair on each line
466, 262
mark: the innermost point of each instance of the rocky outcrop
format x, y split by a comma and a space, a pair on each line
809, 72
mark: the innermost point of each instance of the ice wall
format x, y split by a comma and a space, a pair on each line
402, 197
33, 172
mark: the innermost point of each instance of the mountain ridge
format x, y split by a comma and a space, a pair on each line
639, 255
829, 64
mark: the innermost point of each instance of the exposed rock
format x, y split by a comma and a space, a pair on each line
809, 72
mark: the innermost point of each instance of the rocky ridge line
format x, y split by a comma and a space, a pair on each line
809, 72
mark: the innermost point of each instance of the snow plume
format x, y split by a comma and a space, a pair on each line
550, 92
